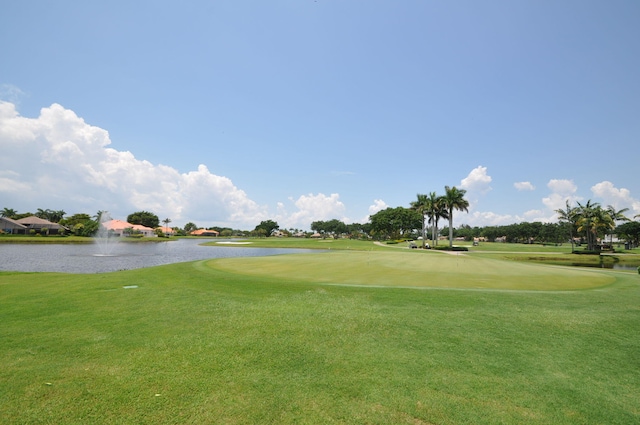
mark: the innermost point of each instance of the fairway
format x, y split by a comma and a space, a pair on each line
416, 269
328, 338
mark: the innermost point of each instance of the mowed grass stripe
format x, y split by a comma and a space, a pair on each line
401, 269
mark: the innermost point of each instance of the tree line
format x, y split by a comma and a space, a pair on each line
587, 223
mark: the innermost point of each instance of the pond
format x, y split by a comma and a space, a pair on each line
607, 266
92, 258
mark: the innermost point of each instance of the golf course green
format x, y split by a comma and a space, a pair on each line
351, 336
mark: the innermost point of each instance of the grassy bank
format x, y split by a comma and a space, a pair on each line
303, 339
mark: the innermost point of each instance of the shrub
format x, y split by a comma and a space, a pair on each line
451, 248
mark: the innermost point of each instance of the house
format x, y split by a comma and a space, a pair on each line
8, 225
204, 232
167, 230
40, 225
123, 228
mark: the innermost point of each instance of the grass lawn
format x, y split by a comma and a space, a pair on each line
346, 337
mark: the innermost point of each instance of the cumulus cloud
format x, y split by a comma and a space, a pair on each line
478, 218
378, 205
59, 161
561, 191
618, 198
477, 181
524, 186
310, 208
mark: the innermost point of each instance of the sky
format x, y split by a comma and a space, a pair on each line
228, 113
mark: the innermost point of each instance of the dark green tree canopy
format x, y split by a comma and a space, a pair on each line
189, 227
629, 231
333, 227
144, 218
53, 216
266, 227
396, 222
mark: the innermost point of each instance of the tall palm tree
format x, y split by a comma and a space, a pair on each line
454, 200
422, 205
437, 210
166, 222
615, 217
570, 216
585, 214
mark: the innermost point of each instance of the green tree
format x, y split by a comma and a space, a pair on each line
594, 221
630, 232
454, 200
422, 205
144, 218
569, 216
616, 216
53, 216
437, 210
269, 226
395, 222
81, 224
8, 213
190, 227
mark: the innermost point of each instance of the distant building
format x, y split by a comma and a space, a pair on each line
40, 225
205, 232
121, 228
167, 230
11, 226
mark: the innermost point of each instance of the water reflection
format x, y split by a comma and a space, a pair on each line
86, 258
607, 266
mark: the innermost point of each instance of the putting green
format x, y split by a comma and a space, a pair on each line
416, 269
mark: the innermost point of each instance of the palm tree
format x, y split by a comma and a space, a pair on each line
166, 222
570, 216
8, 213
422, 205
585, 214
454, 200
437, 210
594, 221
56, 216
615, 217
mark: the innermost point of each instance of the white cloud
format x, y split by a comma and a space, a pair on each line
618, 198
562, 186
59, 161
477, 181
378, 205
312, 208
524, 186
561, 192
481, 219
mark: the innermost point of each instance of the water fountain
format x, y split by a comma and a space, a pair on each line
104, 238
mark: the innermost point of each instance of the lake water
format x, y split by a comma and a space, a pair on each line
91, 258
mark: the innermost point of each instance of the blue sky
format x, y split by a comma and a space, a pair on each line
231, 112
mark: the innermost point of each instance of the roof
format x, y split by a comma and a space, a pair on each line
204, 232
121, 225
34, 221
13, 222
